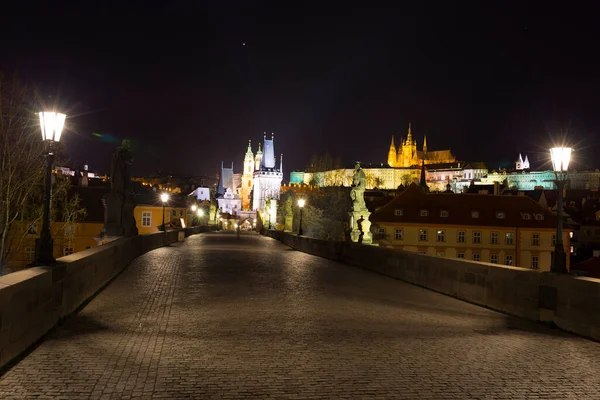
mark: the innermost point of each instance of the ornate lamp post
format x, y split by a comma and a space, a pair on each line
301, 203
164, 198
560, 162
51, 124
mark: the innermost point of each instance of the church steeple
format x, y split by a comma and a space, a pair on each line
392, 154
425, 144
409, 136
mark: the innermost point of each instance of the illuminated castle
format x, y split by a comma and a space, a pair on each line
407, 154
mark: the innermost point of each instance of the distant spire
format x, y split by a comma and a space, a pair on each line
259, 150
250, 145
265, 135
272, 135
393, 145
392, 155
409, 136
425, 144
281, 164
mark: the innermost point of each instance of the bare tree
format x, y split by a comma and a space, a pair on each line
21, 161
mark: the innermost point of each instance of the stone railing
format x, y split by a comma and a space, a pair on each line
34, 300
571, 303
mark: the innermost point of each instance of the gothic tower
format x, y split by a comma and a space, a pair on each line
258, 158
267, 178
392, 154
247, 177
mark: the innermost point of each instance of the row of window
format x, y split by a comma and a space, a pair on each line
423, 212
509, 237
30, 252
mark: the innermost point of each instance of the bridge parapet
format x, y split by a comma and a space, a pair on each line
571, 303
34, 300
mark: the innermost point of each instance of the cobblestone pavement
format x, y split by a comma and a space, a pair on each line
226, 318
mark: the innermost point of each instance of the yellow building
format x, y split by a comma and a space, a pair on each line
407, 155
510, 230
86, 233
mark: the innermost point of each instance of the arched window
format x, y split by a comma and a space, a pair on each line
249, 183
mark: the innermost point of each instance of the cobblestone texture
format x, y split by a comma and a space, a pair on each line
226, 318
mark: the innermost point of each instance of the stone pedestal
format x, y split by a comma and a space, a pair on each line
118, 216
361, 226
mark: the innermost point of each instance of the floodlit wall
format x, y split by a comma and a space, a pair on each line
572, 303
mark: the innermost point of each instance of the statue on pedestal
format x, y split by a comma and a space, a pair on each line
119, 203
359, 217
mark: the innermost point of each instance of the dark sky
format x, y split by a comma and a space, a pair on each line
486, 81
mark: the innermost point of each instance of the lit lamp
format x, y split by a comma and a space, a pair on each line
164, 198
51, 124
193, 208
560, 162
301, 204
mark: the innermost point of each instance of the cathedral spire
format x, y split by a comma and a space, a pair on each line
392, 154
425, 144
281, 163
409, 136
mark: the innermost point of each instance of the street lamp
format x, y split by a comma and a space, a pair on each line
164, 198
193, 208
51, 124
301, 203
560, 162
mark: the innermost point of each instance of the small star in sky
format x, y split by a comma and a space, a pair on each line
243, 43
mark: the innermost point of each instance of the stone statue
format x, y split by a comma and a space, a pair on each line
119, 173
357, 193
359, 216
119, 203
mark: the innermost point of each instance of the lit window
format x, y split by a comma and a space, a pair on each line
476, 257
572, 249
423, 235
461, 237
494, 238
477, 237
441, 235
444, 213
29, 253
494, 258
249, 183
508, 260
474, 214
535, 239
539, 217
68, 250
526, 215
32, 229
571, 234
423, 213
460, 255
399, 234
509, 238
535, 262
500, 214
146, 218
398, 212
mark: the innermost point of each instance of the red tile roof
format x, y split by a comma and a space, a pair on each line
460, 207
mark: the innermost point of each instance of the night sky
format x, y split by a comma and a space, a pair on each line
189, 85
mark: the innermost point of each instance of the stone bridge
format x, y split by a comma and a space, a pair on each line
226, 318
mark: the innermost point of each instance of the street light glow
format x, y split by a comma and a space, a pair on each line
301, 203
52, 124
561, 156
200, 212
194, 208
164, 197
